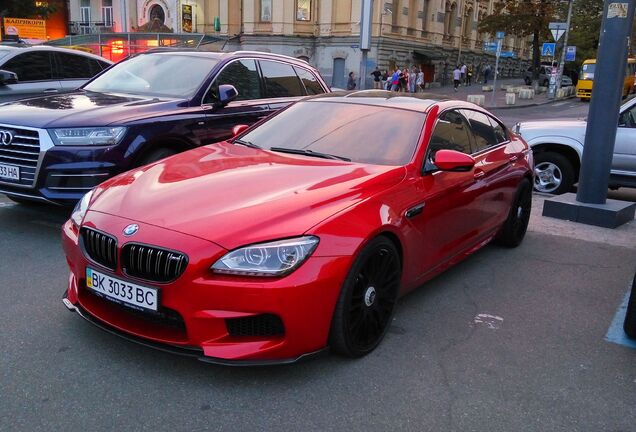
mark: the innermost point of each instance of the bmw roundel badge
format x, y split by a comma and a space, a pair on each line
131, 230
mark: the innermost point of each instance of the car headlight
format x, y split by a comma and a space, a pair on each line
267, 259
80, 208
87, 136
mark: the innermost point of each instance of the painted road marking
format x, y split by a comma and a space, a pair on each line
615, 333
493, 322
6, 204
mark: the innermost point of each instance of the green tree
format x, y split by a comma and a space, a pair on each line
523, 18
26, 9
585, 29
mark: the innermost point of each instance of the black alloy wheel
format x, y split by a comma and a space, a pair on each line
514, 229
367, 299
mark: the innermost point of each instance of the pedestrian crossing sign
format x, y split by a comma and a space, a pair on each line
547, 50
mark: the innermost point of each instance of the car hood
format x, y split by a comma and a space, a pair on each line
234, 195
82, 108
568, 128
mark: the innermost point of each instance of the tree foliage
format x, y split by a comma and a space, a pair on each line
523, 18
585, 29
26, 9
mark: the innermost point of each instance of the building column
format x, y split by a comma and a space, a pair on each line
224, 15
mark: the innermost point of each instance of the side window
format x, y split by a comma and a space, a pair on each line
312, 85
280, 80
243, 75
103, 65
500, 131
628, 118
451, 133
31, 66
482, 130
73, 66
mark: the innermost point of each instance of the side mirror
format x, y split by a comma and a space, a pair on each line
227, 93
238, 129
7, 77
452, 160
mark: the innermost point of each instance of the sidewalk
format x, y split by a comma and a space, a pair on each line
500, 95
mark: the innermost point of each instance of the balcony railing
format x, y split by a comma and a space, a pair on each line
89, 27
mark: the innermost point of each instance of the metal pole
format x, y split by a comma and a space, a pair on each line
494, 81
366, 21
604, 107
565, 45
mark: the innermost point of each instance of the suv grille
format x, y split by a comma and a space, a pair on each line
257, 325
24, 152
100, 247
152, 263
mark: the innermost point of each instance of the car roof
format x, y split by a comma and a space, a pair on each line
419, 102
16, 49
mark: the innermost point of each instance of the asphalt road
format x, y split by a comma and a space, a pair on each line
509, 340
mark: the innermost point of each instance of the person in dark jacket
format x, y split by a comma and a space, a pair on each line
351, 83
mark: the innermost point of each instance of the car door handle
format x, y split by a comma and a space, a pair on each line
514, 158
50, 90
414, 211
479, 174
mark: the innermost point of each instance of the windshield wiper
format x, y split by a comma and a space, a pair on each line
245, 143
309, 153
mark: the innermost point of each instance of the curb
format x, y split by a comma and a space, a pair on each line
531, 105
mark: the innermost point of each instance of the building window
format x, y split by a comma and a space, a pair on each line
107, 13
303, 10
449, 19
266, 10
85, 11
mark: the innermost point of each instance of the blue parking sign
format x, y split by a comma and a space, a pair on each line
547, 50
500, 35
570, 53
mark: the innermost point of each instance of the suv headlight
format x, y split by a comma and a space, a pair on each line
267, 259
80, 208
87, 136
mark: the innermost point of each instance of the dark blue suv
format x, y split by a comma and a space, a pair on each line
56, 148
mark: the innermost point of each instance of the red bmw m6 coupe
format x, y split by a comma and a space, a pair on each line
299, 233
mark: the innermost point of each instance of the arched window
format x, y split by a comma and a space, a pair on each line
468, 23
449, 19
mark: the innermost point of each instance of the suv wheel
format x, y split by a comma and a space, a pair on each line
553, 173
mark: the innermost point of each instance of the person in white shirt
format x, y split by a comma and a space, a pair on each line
463, 70
420, 81
457, 76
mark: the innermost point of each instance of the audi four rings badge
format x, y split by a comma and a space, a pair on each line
6, 137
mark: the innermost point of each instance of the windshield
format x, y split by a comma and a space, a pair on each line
159, 74
3, 53
587, 71
361, 133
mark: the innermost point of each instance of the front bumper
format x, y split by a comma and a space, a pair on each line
205, 302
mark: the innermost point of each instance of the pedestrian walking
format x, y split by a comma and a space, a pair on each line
351, 83
469, 75
463, 71
457, 76
395, 79
413, 80
486, 73
420, 81
377, 75
404, 80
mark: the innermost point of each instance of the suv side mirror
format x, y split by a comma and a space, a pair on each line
227, 93
7, 77
452, 160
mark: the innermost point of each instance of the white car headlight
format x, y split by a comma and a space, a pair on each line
267, 259
87, 136
80, 208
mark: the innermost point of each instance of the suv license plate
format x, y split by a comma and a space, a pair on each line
10, 172
119, 291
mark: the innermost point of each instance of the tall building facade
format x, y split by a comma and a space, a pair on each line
432, 34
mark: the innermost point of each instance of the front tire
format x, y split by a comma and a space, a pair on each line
630, 316
367, 300
553, 173
514, 229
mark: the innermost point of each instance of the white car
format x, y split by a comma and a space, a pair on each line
558, 145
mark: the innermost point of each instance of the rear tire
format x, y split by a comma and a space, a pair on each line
367, 300
553, 173
156, 154
514, 229
630, 316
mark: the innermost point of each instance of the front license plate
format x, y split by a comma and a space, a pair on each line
122, 292
10, 172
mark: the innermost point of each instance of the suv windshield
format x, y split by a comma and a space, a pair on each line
4, 53
361, 133
158, 74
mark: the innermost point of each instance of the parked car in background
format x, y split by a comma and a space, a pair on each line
43, 70
300, 232
558, 146
544, 76
140, 110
